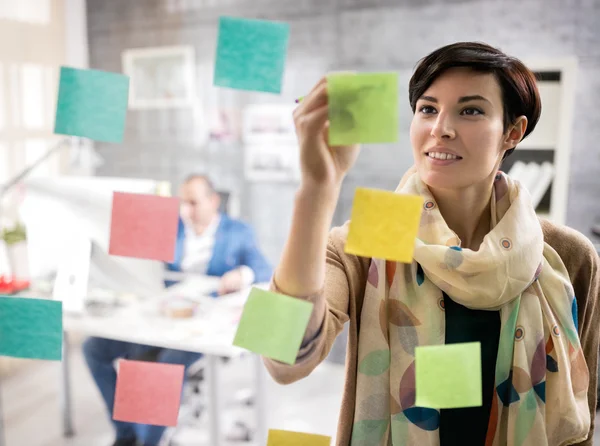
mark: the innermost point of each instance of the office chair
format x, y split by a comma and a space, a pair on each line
224, 206
596, 228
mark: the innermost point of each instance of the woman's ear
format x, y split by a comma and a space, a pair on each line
515, 132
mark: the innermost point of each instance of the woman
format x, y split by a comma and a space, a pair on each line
485, 270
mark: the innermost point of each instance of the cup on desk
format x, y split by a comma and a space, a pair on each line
178, 308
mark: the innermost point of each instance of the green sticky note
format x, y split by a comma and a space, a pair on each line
92, 104
273, 325
251, 54
363, 108
448, 376
30, 328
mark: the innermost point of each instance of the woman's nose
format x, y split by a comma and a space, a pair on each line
443, 127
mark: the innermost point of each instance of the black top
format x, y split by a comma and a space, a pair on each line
466, 427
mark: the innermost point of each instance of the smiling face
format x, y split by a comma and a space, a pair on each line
457, 132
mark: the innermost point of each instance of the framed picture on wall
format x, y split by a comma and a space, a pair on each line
272, 162
271, 150
161, 77
269, 123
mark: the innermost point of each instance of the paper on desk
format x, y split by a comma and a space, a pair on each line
448, 376
72, 277
192, 286
384, 225
144, 226
251, 54
363, 108
92, 103
148, 392
273, 325
30, 328
288, 438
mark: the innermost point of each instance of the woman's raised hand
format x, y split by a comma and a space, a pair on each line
321, 164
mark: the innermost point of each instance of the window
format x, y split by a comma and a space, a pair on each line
26, 11
2, 99
14, 110
35, 148
32, 96
5, 167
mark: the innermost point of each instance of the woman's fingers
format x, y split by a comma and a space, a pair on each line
322, 81
316, 99
313, 122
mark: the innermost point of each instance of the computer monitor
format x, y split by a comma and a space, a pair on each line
56, 209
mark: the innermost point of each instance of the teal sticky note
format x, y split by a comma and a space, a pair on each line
92, 104
30, 328
251, 54
363, 108
448, 376
273, 325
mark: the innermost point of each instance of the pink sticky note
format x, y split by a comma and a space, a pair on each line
148, 392
144, 226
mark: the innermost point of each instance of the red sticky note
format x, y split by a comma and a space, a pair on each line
144, 226
148, 392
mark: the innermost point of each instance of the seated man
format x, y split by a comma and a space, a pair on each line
207, 243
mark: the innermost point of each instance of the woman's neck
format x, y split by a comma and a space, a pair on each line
467, 212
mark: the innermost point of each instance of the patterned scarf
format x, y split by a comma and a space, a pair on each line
540, 362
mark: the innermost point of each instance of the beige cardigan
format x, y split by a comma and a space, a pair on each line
341, 301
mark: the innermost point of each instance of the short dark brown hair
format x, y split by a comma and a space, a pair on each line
520, 95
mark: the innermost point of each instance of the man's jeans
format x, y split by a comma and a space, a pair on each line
100, 353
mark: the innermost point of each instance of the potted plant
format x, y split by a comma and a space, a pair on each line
15, 240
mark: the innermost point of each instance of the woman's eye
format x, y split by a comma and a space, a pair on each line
427, 109
472, 111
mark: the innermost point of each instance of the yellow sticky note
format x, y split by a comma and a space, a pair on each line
448, 376
289, 438
384, 225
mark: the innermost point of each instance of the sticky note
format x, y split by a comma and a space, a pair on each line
251, 54
448, 376
30, 328
273, 325
363, 108
92, 104
144, 226
384, 225
288, 438
148, 392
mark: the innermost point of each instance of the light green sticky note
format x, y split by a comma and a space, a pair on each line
273, 325
92, 104
363, 108
251, 54
448, 376
30, 328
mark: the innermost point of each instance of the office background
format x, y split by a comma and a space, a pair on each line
337, 35
365, 35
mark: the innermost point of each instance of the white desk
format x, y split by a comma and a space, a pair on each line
210, 331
